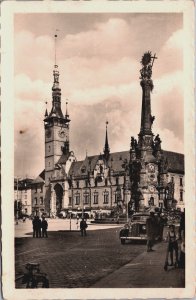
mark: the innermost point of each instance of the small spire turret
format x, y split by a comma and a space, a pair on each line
106, 150
66, 113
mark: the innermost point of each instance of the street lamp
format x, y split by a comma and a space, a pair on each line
127, 203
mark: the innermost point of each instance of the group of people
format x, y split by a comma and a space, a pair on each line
40, 227
154, 230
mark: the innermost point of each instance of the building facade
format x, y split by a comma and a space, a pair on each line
141, 177
22, 197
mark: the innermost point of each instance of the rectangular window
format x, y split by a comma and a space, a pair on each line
41, 200
117, 181
106, 182
86, 198
115, 197
69, 201
77, 197
106, 197
172, 179
35, 201
86, 183
77, 184
181, 181
96, 195
181, 195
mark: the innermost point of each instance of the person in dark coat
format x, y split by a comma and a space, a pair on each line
182, 226
172, 245
44, 227
150, 231
83, 227
39, 222
160, 226
35, 231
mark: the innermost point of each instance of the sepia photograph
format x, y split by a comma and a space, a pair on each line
100, 151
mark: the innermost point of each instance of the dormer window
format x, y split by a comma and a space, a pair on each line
83, 169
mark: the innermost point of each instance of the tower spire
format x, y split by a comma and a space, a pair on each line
56, 90
106, 148
55, 49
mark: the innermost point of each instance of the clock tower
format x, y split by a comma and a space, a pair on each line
56, 131
58, 157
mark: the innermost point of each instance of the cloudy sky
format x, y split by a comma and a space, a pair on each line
99, 61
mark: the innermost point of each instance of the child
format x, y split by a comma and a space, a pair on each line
172, 246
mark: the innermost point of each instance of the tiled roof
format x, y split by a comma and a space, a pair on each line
39, 178
116, 162
117, 159
63, 159
175, 161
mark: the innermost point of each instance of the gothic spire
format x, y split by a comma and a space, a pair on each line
106, 148
56, 90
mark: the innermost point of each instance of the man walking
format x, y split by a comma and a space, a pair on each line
83, 227
44, 227
150, 230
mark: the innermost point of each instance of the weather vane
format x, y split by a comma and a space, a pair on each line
55, 40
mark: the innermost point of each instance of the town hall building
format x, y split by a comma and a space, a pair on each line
143, 176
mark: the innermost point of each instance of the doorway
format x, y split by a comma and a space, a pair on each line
59, 197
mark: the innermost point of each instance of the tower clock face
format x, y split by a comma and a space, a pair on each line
62, 133
48, 133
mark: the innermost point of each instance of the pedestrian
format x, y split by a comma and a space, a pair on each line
39, 225
44, 226
181, 263
150, 231
182, 225
83, 227
160, 226
34, 222
172, 246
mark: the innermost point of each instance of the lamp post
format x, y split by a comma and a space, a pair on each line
127, 204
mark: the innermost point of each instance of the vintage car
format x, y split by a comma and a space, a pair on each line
135, 229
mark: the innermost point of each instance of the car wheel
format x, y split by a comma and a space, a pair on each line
122, 241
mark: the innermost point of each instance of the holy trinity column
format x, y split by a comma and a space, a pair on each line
148, 168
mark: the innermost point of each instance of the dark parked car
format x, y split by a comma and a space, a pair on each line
135, 229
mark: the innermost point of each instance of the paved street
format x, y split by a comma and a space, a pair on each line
97, 260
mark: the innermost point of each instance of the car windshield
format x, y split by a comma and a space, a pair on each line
139, 218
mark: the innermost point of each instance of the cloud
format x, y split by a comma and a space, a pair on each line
26, 88
175, 41
99, 74
170, 141
103, 40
